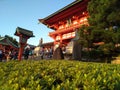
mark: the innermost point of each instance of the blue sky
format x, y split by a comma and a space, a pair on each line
25, 14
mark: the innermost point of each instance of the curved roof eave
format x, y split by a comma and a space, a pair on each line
62, 9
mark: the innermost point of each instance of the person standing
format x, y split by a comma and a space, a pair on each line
26, 53
58, 54
1, 55
42, 53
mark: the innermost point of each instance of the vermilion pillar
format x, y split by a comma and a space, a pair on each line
23, 40
21, 49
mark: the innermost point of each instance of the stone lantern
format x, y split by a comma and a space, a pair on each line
24, 35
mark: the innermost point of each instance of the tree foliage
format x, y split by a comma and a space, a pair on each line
104, 13
104, 26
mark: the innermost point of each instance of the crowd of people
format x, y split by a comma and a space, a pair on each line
29, 53
46, 53
8, 55
43, 53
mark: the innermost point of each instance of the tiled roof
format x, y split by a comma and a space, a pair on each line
66, 7
24, 32
6, 41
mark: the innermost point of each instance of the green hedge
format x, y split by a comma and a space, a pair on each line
58, 75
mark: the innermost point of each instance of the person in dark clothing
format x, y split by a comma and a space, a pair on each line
58, 54
26, 54
1, 55
15, 55
42, 53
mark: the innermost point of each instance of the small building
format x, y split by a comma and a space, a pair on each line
48, 44
7, 46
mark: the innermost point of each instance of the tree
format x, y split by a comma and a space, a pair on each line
104, 13
104, 27
85, 39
